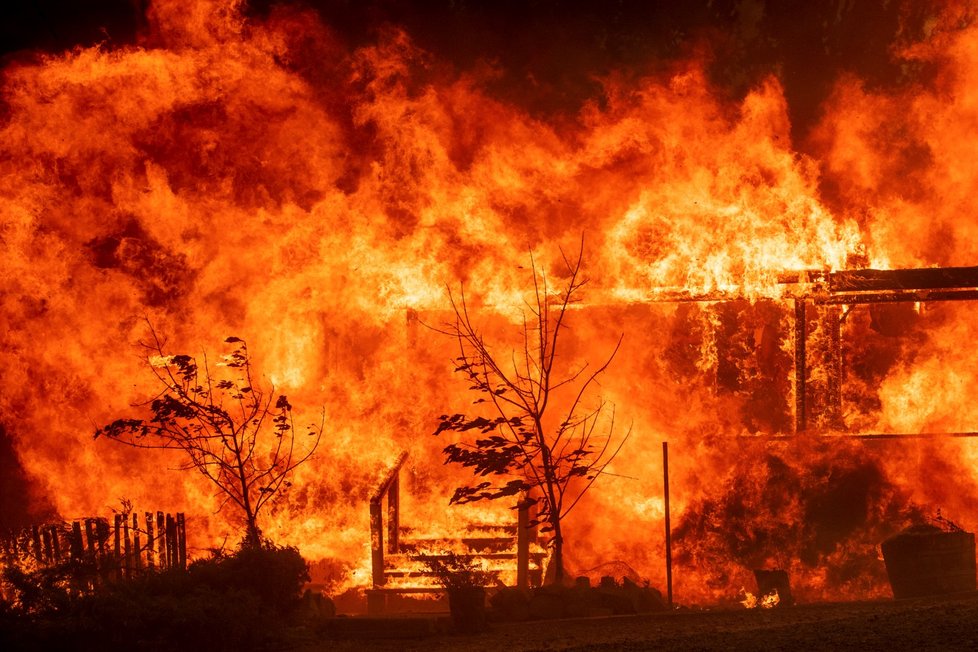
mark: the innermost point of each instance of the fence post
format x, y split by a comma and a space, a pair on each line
150, 552
171, 541
137, 562
181, 541
128, 547
91, 540
161, 540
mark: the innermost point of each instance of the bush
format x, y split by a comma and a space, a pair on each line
238, 601
274, 575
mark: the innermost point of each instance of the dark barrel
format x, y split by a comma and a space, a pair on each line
925, 560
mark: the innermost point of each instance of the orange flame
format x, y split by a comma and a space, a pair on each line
258, 177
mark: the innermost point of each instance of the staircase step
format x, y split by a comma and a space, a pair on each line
497, 529
472, 543
408, 574
406, 589
400, 559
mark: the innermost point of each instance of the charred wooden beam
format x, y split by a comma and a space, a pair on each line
850, 299
181, 540
835, 366
389, 478
377, 545
390, 487
869, 436
801, 368
394, 515
876, 280
150, 542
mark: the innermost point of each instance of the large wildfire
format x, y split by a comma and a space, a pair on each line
258, 174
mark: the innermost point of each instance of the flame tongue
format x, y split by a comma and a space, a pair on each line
260, 177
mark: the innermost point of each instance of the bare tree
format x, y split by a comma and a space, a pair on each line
557, 459
239, 435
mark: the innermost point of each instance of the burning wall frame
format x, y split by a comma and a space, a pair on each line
846, 289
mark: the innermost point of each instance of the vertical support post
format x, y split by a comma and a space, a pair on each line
117, 547
665, 492
91, 538
36, 539
48, 546
127, 546
55, 541
181, 541
137, 548
171, 541
523, 543
377, 543
801, 371
77, 549
102, 536
835, 318
161, 541
394, 514
150, 542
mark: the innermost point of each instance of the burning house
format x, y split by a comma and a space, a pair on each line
786, 251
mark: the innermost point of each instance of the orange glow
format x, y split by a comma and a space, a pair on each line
225, 177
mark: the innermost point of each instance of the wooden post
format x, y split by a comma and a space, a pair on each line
665, 485
102, 536
55, 541
377, 544
117, 548
150, 542
523, 543
48, 546
801, 370
36, 538
137, 549
393, 515
91, 538
128, 546
181, 541
161, 541
171, 541
77, 547
835, 318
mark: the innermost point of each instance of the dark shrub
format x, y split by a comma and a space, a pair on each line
274, 575
227, 602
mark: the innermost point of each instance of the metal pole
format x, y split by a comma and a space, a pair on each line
665, 484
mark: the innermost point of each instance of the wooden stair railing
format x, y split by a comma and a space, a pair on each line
392, 556
390, 488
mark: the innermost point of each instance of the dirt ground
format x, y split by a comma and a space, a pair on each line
940, 623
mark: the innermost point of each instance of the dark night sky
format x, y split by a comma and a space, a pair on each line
551, 50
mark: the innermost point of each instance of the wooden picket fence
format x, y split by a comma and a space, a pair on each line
123, 548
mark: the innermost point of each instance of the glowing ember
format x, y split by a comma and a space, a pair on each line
750, 601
